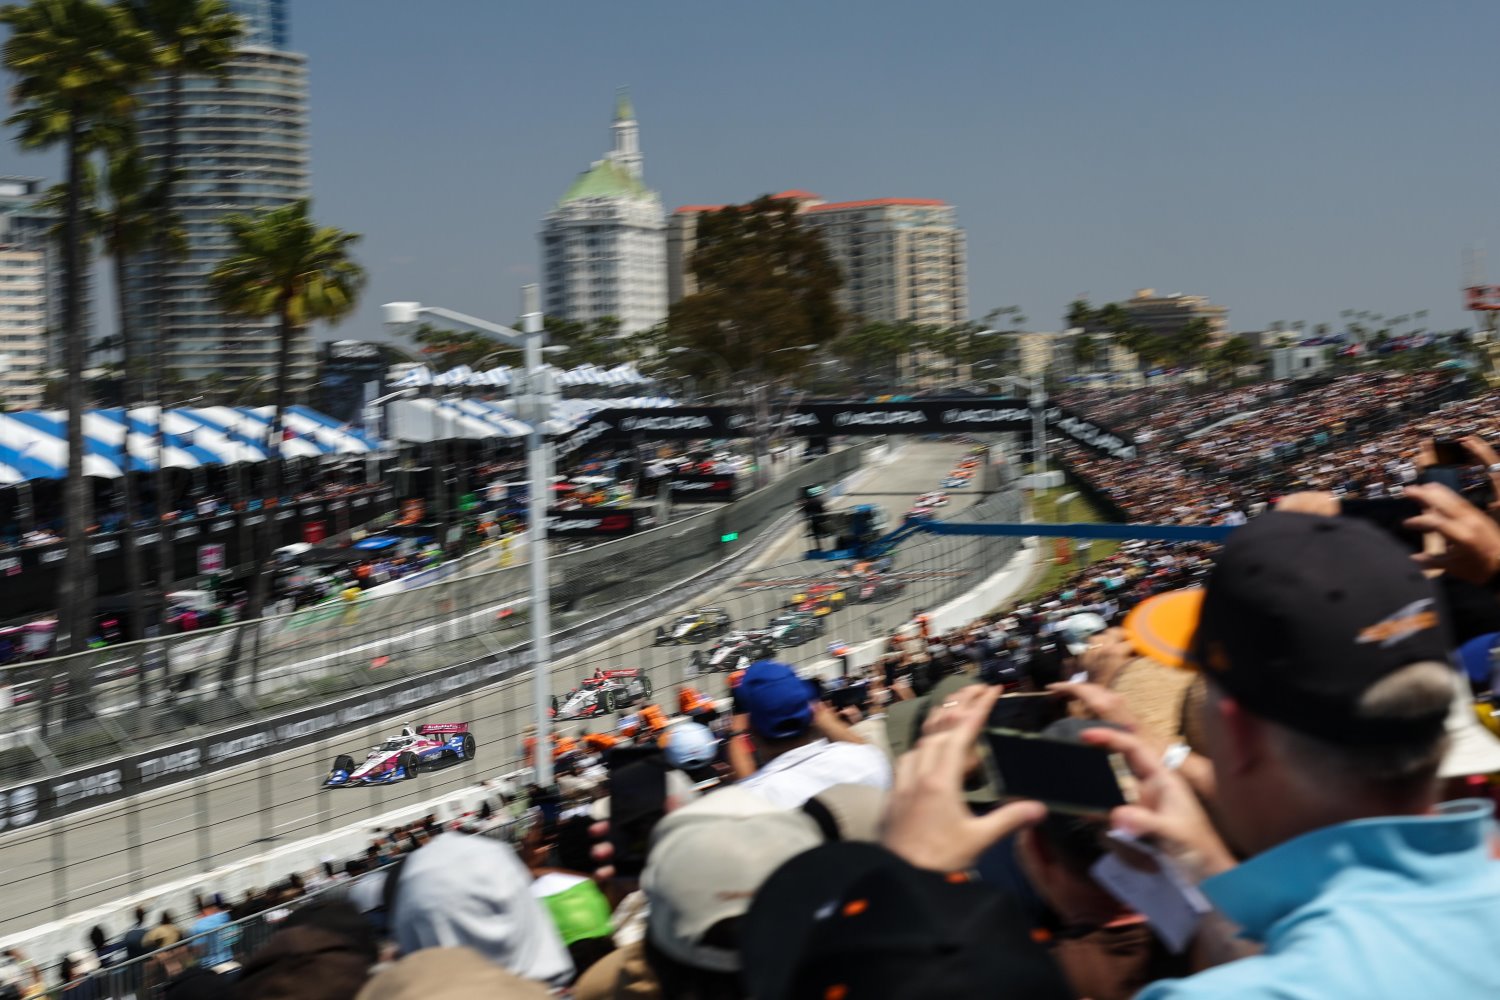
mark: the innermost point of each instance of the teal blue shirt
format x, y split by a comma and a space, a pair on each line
1396, 908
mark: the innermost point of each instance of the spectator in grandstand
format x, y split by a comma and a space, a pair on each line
1104, 948
1328, 687
705, 865
449, 974
801, 746
461, 890
858, 921
213, 938
322, 951
165, 934
133, 941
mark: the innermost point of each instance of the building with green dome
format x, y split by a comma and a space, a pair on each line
604, 242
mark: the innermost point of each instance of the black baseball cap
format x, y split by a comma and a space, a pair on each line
1303, 614
855, 921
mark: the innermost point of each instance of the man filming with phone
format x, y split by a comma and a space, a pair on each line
1328, 687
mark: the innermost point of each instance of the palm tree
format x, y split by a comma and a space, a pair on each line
189, 37
75, 63
284, 266
1079, 315
1085, 352
134, 217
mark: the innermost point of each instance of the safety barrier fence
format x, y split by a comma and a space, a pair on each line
228, 795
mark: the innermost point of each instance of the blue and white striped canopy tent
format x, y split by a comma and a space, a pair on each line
33, 443
422, 377
436, 419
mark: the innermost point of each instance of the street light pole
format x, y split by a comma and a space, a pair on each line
534, 407
538, 464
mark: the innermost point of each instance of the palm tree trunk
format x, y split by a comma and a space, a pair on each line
260, 587
134, 571
165, 556
73, 598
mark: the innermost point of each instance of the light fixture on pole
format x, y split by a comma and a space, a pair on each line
534, 407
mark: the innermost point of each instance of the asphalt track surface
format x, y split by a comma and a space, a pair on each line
91, 858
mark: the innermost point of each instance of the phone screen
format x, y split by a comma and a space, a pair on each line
1069, 777
1389, 514
1451, 451
637, 802
1027, 712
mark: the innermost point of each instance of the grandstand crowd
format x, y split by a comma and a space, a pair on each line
1306, 785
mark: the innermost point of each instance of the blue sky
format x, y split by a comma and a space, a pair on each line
1287, 159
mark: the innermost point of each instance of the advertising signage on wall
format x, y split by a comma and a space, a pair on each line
929, 416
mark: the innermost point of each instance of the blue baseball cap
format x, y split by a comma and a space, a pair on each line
778, 701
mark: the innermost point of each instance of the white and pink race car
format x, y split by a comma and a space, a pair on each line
401, 757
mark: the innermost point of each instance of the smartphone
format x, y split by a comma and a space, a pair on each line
1451, 476
1389, 514
637, 802
851, 694
1451, 451
1027, 711
1068, 777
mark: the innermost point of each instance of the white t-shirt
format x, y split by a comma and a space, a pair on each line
798, 775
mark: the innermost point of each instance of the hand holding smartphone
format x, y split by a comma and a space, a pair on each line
1066, 776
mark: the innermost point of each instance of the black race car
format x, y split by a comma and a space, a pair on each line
794, 628
735, 651
878, 587
695, 626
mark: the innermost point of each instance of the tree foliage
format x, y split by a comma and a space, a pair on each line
766, 283
76, 64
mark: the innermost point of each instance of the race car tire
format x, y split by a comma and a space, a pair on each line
468, 747
554, 704
606, 702
409, 764
698, 660
645, 688
344, 762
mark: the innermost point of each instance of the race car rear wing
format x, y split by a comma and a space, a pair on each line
439, 728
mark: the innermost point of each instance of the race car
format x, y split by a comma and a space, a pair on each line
955, 483
401, 757
878, 587
937, 498
603, 693
695, 626
794, 628
735, 651
819, 599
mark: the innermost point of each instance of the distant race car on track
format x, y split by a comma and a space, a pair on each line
603, 693
695, 626
955, 483
735, 651
878, 587
819, 599
401, 757
937, 498
794, 628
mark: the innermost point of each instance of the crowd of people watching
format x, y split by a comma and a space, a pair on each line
1299, 800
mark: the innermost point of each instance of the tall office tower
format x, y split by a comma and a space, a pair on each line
242, 147
604, 243
26, 224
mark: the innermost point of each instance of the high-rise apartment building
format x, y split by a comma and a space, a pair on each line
901, 259
23, 325
603, 244
243, 147
1166, 315
24, 223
